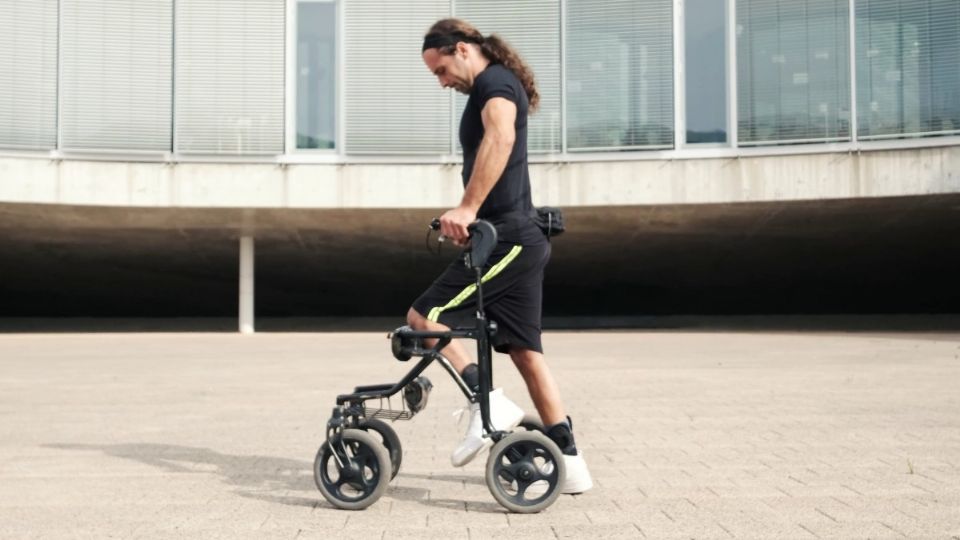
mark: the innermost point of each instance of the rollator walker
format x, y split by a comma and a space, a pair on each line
525, 469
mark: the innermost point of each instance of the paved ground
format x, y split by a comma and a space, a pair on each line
689, 435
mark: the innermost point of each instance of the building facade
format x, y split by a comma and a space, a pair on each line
284, 112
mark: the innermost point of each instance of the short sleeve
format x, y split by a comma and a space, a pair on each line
495, 81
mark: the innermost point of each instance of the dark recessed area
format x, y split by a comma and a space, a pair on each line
881, 256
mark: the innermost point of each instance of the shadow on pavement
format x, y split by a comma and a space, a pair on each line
267, 478
457, 478
259, 477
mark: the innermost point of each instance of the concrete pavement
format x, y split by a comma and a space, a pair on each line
688, 435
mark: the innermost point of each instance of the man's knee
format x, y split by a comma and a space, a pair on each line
524, 357
415, 320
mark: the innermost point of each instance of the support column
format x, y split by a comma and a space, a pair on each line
246, 285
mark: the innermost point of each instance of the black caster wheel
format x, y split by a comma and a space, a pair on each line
525, 472
390, 440
531, 422
356, 475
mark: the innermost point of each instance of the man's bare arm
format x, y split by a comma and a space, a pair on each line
499, 134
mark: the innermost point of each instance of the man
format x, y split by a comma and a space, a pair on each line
493, 134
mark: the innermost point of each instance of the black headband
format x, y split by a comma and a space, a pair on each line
438, 41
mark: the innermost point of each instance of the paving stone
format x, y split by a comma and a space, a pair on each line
688, 435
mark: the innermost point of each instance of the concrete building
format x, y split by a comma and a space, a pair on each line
283, 157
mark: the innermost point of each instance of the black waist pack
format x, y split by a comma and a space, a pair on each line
550, 220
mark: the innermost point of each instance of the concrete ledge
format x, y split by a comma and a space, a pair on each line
828, 175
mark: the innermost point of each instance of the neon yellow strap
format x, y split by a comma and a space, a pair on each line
470, 289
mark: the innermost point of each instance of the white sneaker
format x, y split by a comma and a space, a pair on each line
578, 477
504, 415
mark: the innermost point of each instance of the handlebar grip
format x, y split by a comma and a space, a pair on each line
435, 226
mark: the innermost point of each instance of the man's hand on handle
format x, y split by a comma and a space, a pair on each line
453, 224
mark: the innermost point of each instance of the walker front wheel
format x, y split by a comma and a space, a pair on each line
352, 470
525, 472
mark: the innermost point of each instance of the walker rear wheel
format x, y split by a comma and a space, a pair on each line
525, 472
390, 440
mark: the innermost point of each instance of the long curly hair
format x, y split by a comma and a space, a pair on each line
449, 31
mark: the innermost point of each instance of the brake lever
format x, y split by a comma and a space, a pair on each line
434, 226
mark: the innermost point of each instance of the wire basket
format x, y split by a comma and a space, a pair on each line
388, 412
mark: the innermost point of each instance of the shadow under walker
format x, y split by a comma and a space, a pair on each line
525, 469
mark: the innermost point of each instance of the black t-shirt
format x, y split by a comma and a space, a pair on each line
508, 205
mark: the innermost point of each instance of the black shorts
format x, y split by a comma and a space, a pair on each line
512, 295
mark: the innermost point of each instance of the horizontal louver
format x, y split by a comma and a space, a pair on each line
793, 65
28, 74
533, 29
908, 67
392, 103
230, 76
116, 86
619, 74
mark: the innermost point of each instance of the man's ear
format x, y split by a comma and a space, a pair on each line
462, 49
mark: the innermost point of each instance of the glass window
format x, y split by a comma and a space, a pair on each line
705, 23
619, 74
793, 71
316, 74
908, 67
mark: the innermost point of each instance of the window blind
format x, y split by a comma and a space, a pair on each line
392, 103
908, 68
116, 75
230, 76
533, 29
619, 74
28, 74
793, 71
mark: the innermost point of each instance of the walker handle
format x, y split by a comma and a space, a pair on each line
483, 238
435, 226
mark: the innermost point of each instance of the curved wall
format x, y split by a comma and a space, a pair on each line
757, 178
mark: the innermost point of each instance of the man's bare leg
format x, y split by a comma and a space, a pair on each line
540, 383
454, 351
504, 414
546, 397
